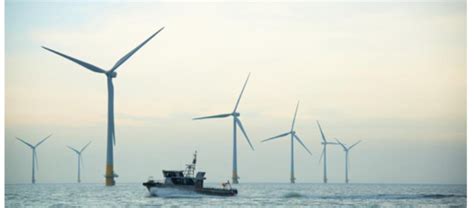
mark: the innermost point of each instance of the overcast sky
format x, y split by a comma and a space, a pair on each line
390, 74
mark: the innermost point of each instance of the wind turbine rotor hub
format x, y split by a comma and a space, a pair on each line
112, 74
236, 114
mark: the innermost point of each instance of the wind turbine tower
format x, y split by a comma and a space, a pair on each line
35, 156
236, 122
110, 74
346, 150
293, 136
324, 153
79, 160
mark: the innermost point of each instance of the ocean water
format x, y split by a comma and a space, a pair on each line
250, 195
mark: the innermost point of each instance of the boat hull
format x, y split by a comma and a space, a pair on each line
217, 191
171, 191
167, 190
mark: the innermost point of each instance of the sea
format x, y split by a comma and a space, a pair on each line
250, 195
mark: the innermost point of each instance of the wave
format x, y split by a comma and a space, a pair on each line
173, 193
437, 196
419, 196
293, 195
387, 196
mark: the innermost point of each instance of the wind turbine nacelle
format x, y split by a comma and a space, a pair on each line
237, 114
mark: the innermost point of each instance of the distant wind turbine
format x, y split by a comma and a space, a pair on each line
324, 153
35, 156
346, 150
236, 122
292, 132
110, 74
79, 160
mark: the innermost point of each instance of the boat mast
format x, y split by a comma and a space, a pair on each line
189, 172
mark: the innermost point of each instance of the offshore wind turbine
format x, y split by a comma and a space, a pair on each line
79, 160
236, 122
324, 153
292, 132
110, 74
35, 156
346, 150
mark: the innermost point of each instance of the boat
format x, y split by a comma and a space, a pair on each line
179, 182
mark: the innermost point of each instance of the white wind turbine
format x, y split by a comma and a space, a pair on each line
346, 150
79, 160
236, 122
110, 74
292, 132
35, 156
324, 153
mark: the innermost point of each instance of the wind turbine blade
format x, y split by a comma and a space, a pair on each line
214, 116
43, 140
129, 54
354, 144
348, 162
294, 117
243, 131
77, 61
241, 92
23, 141
73, 149
331, 143
36, 160
113, 136
343, 146
112, 114
85, 147
321, 130
275, 137
113, 128
302, 144
321, 157
81, 160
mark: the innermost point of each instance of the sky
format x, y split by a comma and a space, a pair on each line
391, 74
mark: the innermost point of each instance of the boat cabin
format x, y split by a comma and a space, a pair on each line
177, 177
